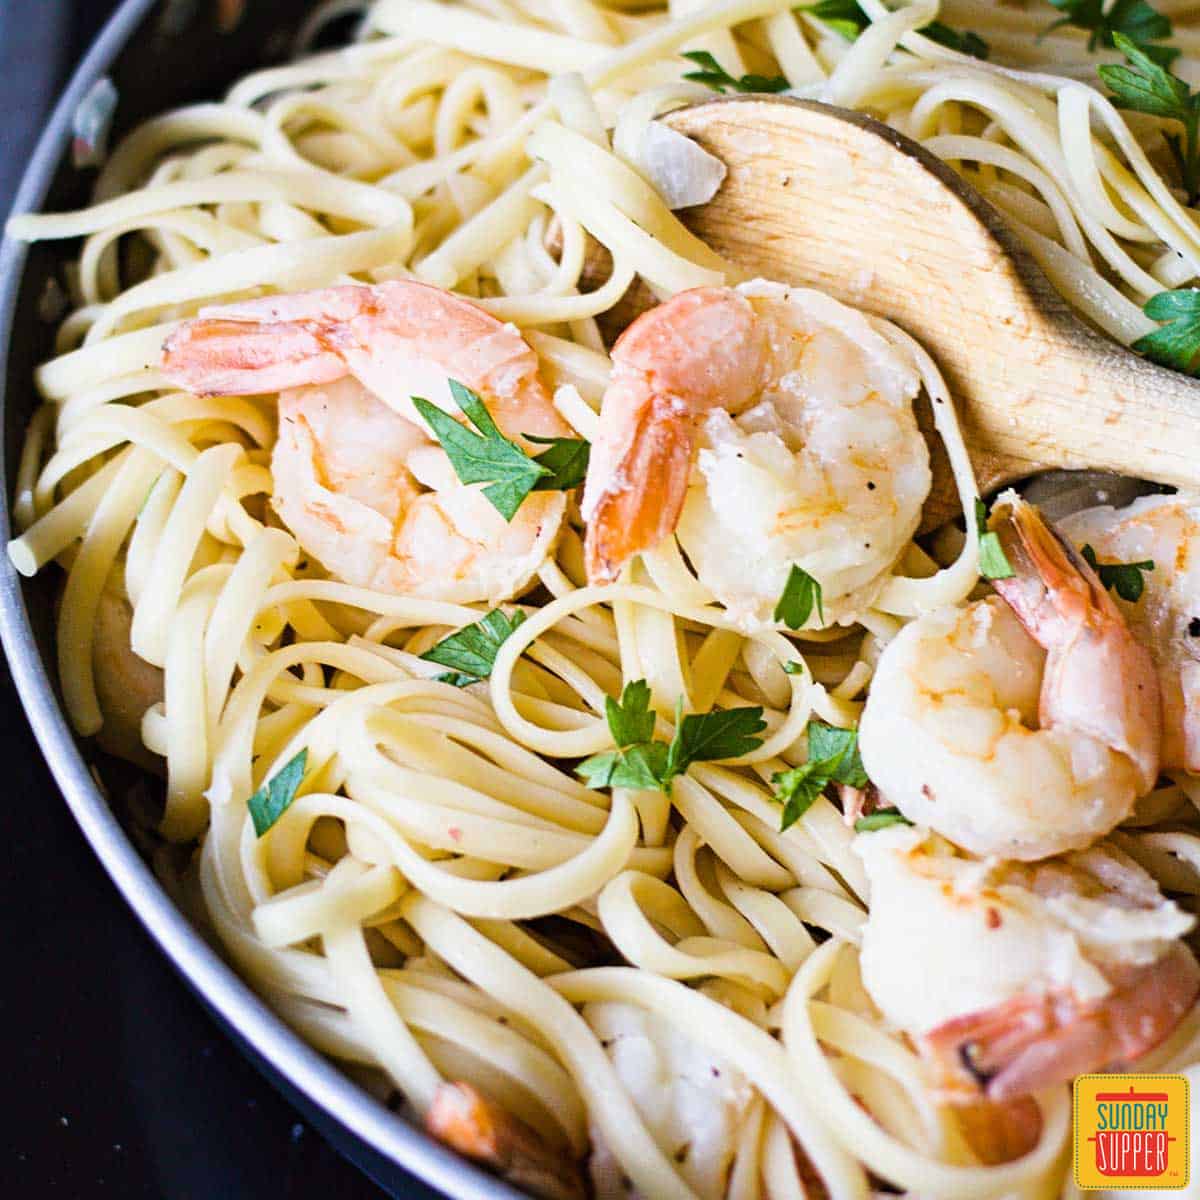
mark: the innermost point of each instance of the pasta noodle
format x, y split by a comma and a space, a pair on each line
417, 909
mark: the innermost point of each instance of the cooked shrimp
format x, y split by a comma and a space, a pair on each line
348, 477
481, 1129
769, 427
1018, 727
357, 478
1030, 974
126, 685
692, 1101
1164, 530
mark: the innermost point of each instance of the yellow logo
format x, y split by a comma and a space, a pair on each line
1131, 1131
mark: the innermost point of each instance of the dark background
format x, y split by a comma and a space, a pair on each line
114, 1081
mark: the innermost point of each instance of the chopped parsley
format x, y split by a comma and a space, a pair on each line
1132, 19
714, 76
833, 757
1147, 85
566, 460
880, 820
471, 652
801, 594
846, 18
485, 455
643, 763
275, 796
993, 562
1126, 579
1176, 343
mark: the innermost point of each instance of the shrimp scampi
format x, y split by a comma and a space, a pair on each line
1030, 973
1165, 618
358, 479
1021, 725
768, 427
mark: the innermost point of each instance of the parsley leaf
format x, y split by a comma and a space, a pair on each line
483, 457
993, 562
832, 758
828, 742
965, 43
713, 75
880, 820
797, 790
720, 733
566, 460
800, 594
642, 767
1123, 578
842, 16
1177, 343
1148, 86
1133, 19
845, 17
471, 652
630, 719
792, 667
275, 796
640, 762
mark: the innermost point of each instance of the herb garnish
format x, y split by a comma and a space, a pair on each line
714, 76
1126, 579
965, 43
993, 562
487, 456
880, 820
471, 652
800, 594
1147, 86
1177, 342
845, 17
832, 758
275, 796
1132, 19
643, 763
566, 460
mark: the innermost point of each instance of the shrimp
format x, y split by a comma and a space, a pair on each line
692, 1101
1166, 619
768, 427
1020, 726
358, 479
475, 1126
1030, 974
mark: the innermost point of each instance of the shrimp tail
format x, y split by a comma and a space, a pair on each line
482, 1130
1034, 1042
701, 349
657, 453
1110, 690
223, 356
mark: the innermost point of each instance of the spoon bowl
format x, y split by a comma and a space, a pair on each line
830, 198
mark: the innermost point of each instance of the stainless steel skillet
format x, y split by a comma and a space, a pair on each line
160, 55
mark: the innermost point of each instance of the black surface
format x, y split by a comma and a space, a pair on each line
115, 1081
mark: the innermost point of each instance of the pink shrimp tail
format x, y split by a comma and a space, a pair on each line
620, 521
215, 356
1035, 1042
703, 349
1109, 690
478, 1127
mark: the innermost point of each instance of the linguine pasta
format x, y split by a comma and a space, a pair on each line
418, 910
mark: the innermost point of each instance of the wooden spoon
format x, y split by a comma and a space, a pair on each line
831, 198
